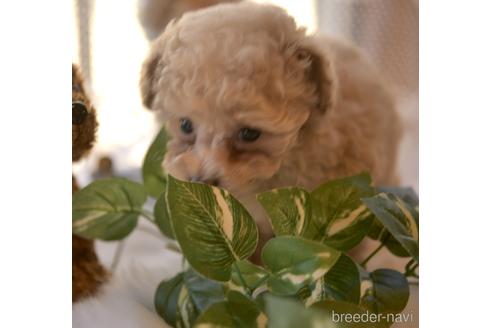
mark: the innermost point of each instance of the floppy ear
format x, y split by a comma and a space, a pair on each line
319, 72
149, 78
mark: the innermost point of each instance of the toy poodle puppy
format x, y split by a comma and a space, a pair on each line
154, 15
253, 103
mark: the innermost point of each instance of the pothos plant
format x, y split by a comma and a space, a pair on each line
306, 279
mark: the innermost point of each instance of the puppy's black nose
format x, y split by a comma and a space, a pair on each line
210, 181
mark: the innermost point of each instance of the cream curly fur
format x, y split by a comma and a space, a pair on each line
324, 112
154, 15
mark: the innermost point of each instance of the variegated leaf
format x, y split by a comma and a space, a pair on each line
295, 262
162, 218
387, 292
380, 233
348, 230
180, 300
166, 298
198, 294
359, 316
154, 177
107, 209
238, 311
284, 312
398, 218
252, 275
289, 211
187, 312
213, 229
407, 194
342, 219
203, 292
340, 283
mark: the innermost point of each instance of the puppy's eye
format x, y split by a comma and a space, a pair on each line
249, 135
79, 113
186, 125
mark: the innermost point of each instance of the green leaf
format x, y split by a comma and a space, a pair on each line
107, 209
407, 194
398, 218
341, 283
389, 292
340, 216
195, 296
295, 262
187, 313
378, 232
162, 218
185, 296
154, 177
287, 313
289, 211
213, 229
338, 195
237, 311
350, 235
203, 292
348, 315
252, 274
166, 298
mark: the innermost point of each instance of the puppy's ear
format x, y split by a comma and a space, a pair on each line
319, 72
149, 77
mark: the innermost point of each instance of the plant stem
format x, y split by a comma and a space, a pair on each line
117, 255
409, 265
258, 284
243, 282
183, 264
363, 264
410, 269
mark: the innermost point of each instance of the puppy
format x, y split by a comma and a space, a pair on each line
154, 15
253, 103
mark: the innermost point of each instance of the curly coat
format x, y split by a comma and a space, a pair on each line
323, 111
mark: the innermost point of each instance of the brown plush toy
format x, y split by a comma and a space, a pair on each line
87, 273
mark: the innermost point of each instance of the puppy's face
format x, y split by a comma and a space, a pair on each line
235, 85
236, 147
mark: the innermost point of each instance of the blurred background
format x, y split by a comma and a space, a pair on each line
111, 39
